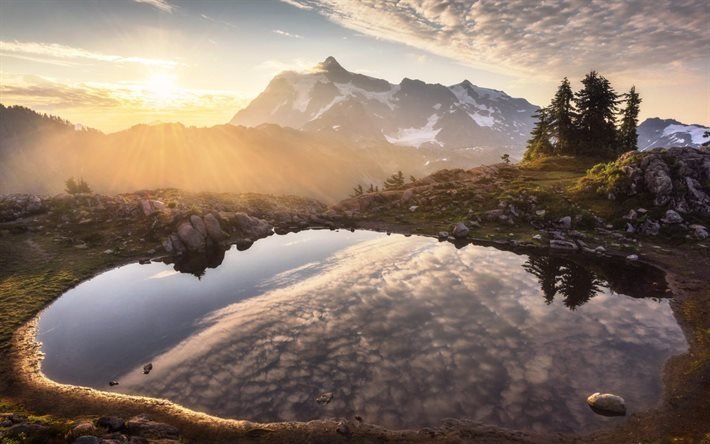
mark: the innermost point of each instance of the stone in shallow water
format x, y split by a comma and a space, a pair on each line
324, 398
607, 404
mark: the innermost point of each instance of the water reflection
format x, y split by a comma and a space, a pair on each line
403, 331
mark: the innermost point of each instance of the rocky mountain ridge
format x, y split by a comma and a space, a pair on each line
413, 113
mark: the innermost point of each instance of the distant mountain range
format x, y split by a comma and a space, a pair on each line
457, 118
655, 132
331, 99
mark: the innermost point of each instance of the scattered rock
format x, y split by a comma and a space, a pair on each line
147, 368
607, 404
649, 227
82, 429
460, 231
112, 383
443, 235
143, 426
324, 398
413, 208
558, 244
111, 423
632, 257
566, 222
672, 217
537, 237
699, 231
343, 428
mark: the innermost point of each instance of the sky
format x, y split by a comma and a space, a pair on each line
111, 64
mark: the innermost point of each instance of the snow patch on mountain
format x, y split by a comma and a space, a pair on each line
695, 132
416, 136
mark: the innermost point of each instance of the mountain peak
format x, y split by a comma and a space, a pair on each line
330, 64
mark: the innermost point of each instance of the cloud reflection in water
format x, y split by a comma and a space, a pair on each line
406, 332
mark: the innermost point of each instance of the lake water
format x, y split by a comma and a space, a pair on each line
403, 331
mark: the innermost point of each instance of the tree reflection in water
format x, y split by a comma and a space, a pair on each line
577, 280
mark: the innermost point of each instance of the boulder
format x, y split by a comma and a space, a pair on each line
649, 227
143, 426
443, 235
81, 429
214, 229
191, 237
607, 404
565, 222
199, 225
672, 217
460, 231
251, 227
111, 423
699, 231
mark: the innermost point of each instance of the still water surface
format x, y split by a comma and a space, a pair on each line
404, 331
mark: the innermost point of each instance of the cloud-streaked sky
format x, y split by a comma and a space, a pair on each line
114, 63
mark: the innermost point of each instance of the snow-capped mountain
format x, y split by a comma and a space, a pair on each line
666, 133
329, 98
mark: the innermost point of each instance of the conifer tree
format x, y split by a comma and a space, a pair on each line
628, 137
357, 191
539, 144
595, 120
561, 114
395, 181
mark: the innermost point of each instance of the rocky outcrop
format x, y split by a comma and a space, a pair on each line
195, 234
677, 179
15, 206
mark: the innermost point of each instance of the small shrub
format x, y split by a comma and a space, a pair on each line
74, 187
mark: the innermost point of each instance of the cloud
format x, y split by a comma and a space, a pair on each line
297, 4
551, 38
219, 22
55, 53
162, 5
48, 94
287, 34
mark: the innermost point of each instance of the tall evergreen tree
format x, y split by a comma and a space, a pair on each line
596, 106
628, 138
561, 114
539, 144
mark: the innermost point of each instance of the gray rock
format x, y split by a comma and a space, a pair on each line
699, 231
143, 426
632, 257
82, 429
191, 237
566, 222
649, 227
111, 423
558, 244
537, 237
214, 230
147, 368
199, 225
460, 231
607, 404
443, 235
251, 227
672, 217
407, 195
324, 398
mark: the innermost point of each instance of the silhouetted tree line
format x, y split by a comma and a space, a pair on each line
395, 181
585, 122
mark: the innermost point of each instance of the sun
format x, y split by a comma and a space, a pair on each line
160, 88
